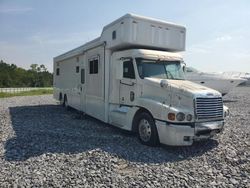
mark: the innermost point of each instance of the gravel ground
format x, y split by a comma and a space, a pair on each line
43, 145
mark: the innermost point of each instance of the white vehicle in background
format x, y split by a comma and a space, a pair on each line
217, 81
241, 75
132, 77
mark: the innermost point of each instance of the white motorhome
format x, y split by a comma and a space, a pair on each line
132, 77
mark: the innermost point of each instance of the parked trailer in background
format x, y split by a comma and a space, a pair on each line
132, 77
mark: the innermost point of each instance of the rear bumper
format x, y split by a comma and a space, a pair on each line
184, 134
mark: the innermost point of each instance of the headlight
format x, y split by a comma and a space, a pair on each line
189, 117
180, 116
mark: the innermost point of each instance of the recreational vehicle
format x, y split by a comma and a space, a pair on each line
132, 77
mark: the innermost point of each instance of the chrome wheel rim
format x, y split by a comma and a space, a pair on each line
144, 130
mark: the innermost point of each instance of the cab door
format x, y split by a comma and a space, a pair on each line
127, 87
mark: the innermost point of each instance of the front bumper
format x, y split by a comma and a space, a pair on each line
186, 134
208, 129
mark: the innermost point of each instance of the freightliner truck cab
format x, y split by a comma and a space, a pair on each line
173, 111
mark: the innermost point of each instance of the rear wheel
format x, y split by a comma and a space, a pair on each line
65, 102
146, 129
60, 99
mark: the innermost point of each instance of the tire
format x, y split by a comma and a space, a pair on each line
61, 99
65, 102
146, 129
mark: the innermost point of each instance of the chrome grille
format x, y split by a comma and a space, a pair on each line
209, 108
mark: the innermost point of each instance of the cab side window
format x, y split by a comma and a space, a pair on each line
128, 70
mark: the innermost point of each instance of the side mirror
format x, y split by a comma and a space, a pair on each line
164, 83
184, 69
119, 70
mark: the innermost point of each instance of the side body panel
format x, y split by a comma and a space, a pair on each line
95, 83
83, 82
67, 79
131, 30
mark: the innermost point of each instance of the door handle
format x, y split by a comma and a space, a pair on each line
127, 84
132, 96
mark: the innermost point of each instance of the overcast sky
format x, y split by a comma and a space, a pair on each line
218, 31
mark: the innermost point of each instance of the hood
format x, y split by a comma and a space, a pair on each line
187, 88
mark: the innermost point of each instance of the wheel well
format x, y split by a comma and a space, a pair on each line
139, 111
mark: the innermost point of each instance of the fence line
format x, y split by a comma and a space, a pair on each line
21, 89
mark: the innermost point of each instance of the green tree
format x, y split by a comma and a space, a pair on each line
43, 68
34, 67
13, 76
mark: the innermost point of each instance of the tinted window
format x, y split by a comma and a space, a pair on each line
57, 71
162, 69
114, 35
93, 66
151, 70
77, 69
82, 76
128, 69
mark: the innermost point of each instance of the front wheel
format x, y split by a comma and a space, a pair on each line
147, 131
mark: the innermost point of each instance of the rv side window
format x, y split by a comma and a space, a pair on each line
114, 35
93, 66
77, 69
128, 70
57, 71
82, 76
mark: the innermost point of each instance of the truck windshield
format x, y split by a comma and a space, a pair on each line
160, 69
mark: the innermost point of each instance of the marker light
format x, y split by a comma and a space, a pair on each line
189, 117
171, 116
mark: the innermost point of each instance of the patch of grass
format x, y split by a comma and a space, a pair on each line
27, 93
